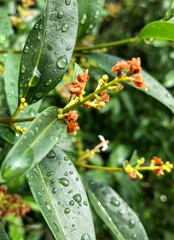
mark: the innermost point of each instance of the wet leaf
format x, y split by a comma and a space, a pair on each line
5, 25
90, 18
3, 234
114, 211
48, 49
58, 190
156, 90
159, 30
34, 144
16, 232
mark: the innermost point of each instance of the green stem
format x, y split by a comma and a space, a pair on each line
10, 120
99, 167
107, 45
14, 51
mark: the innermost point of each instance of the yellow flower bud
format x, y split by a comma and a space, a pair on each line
105, 77
23, 100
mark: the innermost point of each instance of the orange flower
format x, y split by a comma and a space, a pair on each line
86, 105
76, 88
72, 127
139, 82
71, 116
159, 171
83, 77
132, 175
105, 96
158, 161
119, 66
135, 65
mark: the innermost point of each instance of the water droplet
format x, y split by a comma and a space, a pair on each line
39, 94
70, 191
64, 181
49, 174
60, 14
36, 26
67, 210
51, 154
85, 236
26, 49
65, 27
131, 223
85, 203
54, 190
71, 172
71, 203
23, 68
121, 211
134, 236
48, 207
62, 62
74, 3
66, 174
49, 47
115, 202
77, 178
167, 95
66, 158
77, 198
68, 48
68, 2
58, 28
97, 14
39, 35
56, 227
73, 225
52, 181
40, 27
84, 19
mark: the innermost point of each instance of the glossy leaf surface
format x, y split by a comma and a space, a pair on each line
3, 234
90, 17
48, 50
158, 29
114, 211
156, 90
34, 144
58, 190
5, 25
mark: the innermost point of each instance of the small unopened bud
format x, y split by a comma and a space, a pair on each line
25, 104
102, 104
18, 127
100, 82
60, 116
60, 110
105, 77
23, 100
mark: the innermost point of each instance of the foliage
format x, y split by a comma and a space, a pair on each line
44, 51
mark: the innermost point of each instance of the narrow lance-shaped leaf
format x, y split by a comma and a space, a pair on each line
114, 211
3, 234
159, 30
48, 49
58, 190
90, 17
156, 90
5, 25
34, 144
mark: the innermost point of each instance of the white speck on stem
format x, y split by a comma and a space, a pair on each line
36, 72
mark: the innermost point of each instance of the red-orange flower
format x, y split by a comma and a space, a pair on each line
83, 77
76, 88
72, 127
139, 82
135, 65
158, 161
132, 175
105, 96
71, 116
159, 171
119, 66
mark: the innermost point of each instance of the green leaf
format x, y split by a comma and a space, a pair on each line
90, 17
159, 30
3, 101
114, 211
7, 134
156, 90
5, 25
48, 49
77, 70
15, 232
169, 16
82, 8
34, 144
58, 190
3, 234
134, 158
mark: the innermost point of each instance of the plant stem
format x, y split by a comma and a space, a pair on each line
10, 120
107, 45
99, 167
6, 51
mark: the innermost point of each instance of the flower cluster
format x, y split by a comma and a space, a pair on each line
11, 203
71, 120
134, 67
156, 165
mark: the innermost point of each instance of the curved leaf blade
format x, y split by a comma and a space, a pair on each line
159, 30
114, 211
156, 90
58, 190
90, 17
3, 234
34, 144
48, 50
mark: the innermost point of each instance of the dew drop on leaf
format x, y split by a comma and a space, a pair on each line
54, 190
52, 181
62, 62
39, 35
60, 14
26, 49
65, 27
68, 48
77, 198
36, 26
49, 174
39, 94
134, 236
115, 202
64, 181
51, 154
68, 2
85, 236
48, 207
67, 210
71, 203
131, 223
23, 69
66, 158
